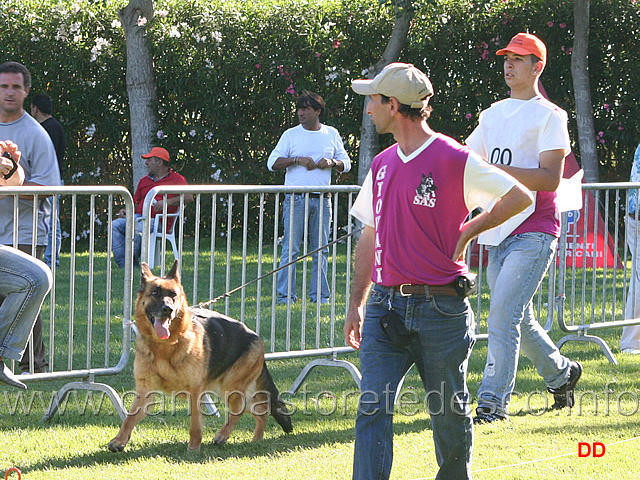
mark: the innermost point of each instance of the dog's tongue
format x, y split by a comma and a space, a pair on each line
162, 328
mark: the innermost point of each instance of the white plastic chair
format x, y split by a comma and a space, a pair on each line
155, 237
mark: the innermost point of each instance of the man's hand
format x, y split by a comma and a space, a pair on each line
353, 327
325, 163
307, 162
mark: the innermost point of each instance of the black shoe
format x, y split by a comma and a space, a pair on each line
7, 377
484, 415
563, 395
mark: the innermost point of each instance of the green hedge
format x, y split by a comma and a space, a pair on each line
228, 71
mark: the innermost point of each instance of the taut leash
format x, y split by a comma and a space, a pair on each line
230, 292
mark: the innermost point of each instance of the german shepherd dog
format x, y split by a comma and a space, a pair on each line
193, 350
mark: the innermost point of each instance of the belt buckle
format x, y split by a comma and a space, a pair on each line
401, 291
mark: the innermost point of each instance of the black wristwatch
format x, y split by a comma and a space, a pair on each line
10, 173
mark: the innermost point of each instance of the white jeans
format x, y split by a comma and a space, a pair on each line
631, 335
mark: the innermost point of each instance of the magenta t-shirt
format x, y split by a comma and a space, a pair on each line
545, 218
427, 194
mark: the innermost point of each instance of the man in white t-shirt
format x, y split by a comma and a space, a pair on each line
414, 203
526, 136
308, 152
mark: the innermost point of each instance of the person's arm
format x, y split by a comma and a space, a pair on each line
514, 202
546, 177
325, 163
361, 286
285, 162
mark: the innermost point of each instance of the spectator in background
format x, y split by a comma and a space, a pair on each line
308, 152
40, 169
160, 173
41, 109
630, 340
24, 282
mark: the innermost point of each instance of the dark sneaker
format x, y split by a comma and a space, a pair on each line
563, 396
484, 415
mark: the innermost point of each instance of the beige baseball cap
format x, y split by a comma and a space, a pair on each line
400, 80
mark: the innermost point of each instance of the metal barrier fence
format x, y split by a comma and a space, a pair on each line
592, 287
230, 237
80, 333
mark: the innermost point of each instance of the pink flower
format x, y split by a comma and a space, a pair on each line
336, 43
141, 22
291, 90
606, 106
318, 54
549, 24
620, 127
602, 140
485, 54
563, 25
601, 134
468, 116
257, 65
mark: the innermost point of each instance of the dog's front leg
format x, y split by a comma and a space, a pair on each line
195, 423
138, 412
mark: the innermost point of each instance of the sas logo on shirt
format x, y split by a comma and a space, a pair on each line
426, 192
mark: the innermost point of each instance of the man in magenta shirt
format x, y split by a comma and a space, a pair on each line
410, 263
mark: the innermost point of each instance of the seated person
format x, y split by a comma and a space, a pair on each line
160, 173
24, 281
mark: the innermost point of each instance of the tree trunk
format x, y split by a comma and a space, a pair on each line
369, 138
582, 92
141, 84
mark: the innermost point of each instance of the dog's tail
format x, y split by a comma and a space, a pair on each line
278, 407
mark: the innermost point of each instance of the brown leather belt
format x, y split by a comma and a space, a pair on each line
407, 289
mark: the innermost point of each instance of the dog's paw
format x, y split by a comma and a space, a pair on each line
116, 446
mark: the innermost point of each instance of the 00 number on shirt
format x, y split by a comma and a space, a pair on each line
503, 157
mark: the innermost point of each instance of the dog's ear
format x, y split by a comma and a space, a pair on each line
145, 271
173, 273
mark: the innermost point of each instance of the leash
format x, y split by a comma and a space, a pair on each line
230, 292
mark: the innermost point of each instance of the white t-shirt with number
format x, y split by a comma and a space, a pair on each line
515, 132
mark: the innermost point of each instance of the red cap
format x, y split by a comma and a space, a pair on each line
526, 44
157, 152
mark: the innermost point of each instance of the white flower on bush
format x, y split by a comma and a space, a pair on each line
173, 32
35, 39
162, 13
141, 22
75, 27
90, 130
192, 132
75, 8
61, 34
217, 175
217, 36
116, 24
76, 177
332, 75
208, 135
160, 134
101, 43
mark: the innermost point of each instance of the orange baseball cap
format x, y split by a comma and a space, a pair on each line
526, 44
157, 152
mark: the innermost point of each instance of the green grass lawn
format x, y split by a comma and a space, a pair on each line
535, 443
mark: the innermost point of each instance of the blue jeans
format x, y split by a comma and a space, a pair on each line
514, 272
47, 252
293, 239
440, 349
118, 235
24, 282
